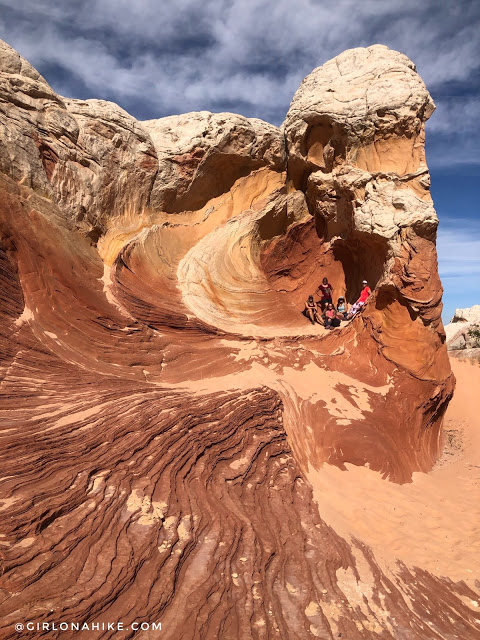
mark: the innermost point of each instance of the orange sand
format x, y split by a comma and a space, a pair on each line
432, 523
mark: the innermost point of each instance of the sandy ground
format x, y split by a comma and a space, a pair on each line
433, 522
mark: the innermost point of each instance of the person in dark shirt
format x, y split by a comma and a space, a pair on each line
325, 291
311, 310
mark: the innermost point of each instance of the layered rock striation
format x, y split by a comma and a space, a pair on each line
168, 411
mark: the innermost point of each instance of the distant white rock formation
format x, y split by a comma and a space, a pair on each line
459, 328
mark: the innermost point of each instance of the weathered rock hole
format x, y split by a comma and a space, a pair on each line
322, 148
296, 262
362, 257
95, 234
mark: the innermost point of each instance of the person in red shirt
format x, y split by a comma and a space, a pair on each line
364, 295
325, 290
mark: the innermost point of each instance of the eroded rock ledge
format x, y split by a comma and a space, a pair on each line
168, 411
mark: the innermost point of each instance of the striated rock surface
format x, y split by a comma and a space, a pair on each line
179, 444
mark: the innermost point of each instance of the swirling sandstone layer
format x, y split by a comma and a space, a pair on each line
179, 444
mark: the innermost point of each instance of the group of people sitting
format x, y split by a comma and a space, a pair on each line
325, 313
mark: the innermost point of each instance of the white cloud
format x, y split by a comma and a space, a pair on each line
189, 55
156, 58
453, 135
455, 115
458, 247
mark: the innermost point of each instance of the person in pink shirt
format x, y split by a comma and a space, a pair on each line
364, 295
330, 320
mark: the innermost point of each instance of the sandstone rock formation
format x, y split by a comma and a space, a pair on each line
459, 329
177, 437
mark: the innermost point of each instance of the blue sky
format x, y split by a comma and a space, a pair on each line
159, 57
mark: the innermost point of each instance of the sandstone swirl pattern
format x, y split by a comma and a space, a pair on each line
172, 427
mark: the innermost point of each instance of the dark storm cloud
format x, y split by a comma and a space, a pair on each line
249, 56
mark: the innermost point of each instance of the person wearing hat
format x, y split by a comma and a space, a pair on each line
364, 295
342, 309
